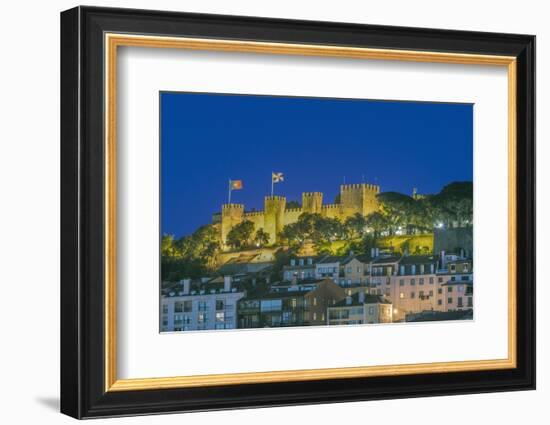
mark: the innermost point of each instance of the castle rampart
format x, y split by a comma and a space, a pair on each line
354, 198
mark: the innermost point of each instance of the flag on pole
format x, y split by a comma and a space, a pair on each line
277, 177
235, 184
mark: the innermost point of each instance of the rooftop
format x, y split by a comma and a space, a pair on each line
419, 259
369, 299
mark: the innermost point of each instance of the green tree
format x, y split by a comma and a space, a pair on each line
453, 206
377, 222
239, 236
261, 238
167, 247
397, 208
355, 226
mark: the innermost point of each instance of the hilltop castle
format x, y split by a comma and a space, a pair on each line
354, 198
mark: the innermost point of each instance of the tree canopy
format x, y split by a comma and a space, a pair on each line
189, 256
241, 234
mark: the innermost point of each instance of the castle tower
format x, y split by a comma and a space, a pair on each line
312, 202
274, 215
232, 214
358, 198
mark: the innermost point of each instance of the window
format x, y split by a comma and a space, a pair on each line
449, 300
465, 278
314, 316
401, 270
421, 294
413, 282
314, 301
164, 321
293, 303
202, 317
449, 289
412, 295
203, 306
421, 268
431, 280
401, 282
401, 295
431, 293
440, 279
421, 281
348, 269
470, 303
465, 268
219, 305
220, 316
178, 307
358, 269
453, 268
439, 302
439, 291
165, 308
271, 305
287, 316
187, 306
459, 302
371, 310
460, 288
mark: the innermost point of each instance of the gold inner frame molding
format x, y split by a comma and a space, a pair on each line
112, 41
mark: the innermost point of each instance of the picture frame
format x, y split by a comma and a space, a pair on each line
90, 40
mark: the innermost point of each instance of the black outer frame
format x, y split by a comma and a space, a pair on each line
82, 219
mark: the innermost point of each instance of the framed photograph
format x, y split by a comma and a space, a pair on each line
261, 212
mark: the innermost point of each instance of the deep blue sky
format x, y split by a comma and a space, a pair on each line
207, 139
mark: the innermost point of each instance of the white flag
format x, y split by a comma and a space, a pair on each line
277, 177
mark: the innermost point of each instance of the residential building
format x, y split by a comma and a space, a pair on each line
355, 270
205, 306
329, 267
274, 309
290, 305
382, 268
300, 268
415, 286
361, 308
325, 294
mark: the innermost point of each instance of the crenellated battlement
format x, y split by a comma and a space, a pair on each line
357, 198
227, 207
253, 213
355, 186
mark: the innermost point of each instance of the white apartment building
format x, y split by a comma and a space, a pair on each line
204, 308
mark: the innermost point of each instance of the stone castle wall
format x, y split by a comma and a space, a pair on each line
354, 198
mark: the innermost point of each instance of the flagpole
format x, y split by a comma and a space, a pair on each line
229, 194
272, 183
